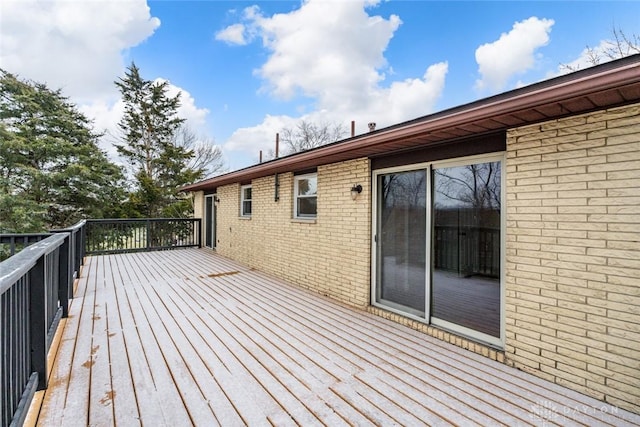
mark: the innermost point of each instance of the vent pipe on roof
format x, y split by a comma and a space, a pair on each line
353, 128
260, 156
277, 145
372, 126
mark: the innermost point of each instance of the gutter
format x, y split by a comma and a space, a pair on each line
616, 74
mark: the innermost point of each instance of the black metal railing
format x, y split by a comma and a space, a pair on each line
36, 285
74, 256
146, 234
10, 244
34, 292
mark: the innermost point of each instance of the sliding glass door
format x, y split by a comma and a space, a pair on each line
465, 275
438, 245
210, 221
402, 216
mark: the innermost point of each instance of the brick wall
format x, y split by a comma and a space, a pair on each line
330, 255
198, 205
573, 253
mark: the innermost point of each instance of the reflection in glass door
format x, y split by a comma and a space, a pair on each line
465, 281
401, 235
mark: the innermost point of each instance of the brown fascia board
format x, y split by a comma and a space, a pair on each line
611, 75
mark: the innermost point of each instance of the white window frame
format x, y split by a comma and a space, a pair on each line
242, 200
296, 196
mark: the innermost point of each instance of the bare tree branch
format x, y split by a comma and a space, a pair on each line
477, 185
207, 157
620, 47
307, 135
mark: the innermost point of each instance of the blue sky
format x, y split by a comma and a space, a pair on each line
248, 69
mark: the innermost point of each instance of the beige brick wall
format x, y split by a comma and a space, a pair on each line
198, 210
198, 204
573, 253
330, 255
572, 256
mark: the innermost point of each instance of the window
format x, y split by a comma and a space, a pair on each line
245, 200
438, 251
305, 189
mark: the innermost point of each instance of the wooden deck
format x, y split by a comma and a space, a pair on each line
186, 337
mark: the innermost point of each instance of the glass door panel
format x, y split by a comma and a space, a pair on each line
465, 279
209, 222
401, 241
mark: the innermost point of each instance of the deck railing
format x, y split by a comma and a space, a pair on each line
36, 285
10, 244
145, 234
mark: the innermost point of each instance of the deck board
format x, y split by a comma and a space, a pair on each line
149, 397
124, 401
79, 380
187, 337
101, 408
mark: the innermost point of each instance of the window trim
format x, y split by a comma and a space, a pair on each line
296, 196
242, 200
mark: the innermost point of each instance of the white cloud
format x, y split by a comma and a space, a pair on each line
78, 46
605, 51
241, 34
387, 106
513, 53
412, 97
196, 117
73, 45
333, 53
260, 137
233, 34
105, 116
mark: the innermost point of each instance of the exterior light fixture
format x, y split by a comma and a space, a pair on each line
355, 190
216, 199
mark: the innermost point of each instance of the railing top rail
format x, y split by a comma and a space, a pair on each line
72, 228
16, 266
108, 220
23, 235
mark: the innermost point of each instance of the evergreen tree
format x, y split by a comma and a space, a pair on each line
52, 172
159, 165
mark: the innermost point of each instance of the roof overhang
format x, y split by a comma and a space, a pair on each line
608, 85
